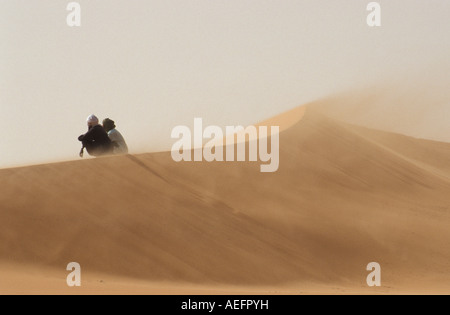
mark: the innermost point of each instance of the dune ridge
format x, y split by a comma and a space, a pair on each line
344, 196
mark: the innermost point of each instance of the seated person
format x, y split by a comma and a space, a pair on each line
118, 142
96, 140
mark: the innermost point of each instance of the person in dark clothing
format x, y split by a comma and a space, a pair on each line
96, 140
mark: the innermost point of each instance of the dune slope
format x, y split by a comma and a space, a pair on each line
344, 196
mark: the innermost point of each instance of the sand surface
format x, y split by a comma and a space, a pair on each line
344, 196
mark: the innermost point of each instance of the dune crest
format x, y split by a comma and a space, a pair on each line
283, 121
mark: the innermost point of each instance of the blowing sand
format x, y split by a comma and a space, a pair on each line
344, 196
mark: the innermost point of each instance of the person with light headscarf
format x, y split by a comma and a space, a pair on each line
96, 140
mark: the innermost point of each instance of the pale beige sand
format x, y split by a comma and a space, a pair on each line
344, 196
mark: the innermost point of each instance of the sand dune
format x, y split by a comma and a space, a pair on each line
344, 196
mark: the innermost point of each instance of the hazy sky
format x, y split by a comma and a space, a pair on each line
152, 65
